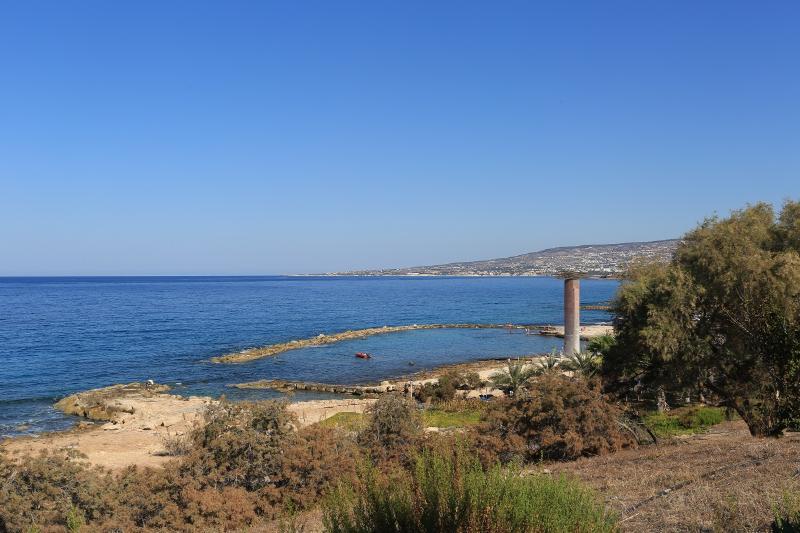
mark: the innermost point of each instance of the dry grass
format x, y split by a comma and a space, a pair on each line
723, 480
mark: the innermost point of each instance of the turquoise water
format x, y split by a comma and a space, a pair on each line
62, 335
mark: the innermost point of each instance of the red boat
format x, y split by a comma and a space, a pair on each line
363, 355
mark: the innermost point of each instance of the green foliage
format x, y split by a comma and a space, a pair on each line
75, 520
601, 345
549, 364
684, 421
787, 515
559, 418
453, 493
586, 364
515, 376
723, 317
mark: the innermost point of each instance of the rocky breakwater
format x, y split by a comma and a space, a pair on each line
252, 354
291, 386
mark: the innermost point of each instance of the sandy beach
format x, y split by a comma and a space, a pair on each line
127, 424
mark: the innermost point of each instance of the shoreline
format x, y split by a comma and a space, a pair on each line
127, 424
270, 350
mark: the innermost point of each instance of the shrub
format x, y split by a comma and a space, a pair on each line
586, 364
515, 376
453, 493
599, 346
320, 459
240, 444
393, 425
559, 418
51, 490
176, 445
445, 388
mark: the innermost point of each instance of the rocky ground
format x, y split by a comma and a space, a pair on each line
128, 424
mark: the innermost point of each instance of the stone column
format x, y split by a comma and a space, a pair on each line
572, 318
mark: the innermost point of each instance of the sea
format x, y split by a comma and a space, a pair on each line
68, 334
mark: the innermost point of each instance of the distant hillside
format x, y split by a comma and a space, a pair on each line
589, 259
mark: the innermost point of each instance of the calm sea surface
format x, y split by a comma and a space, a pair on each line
62, 335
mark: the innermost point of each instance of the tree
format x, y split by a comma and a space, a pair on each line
723, 317
515, 376
584, 363
549, 364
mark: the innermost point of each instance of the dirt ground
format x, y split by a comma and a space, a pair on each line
722, 480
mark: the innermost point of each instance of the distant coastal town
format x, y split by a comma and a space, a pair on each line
598, 260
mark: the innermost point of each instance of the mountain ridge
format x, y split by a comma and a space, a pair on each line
604, 260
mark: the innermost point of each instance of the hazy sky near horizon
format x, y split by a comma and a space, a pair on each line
261, 137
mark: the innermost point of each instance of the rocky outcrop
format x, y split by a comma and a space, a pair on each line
108, 403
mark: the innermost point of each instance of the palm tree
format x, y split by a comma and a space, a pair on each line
584, 363
549, 364
514, 377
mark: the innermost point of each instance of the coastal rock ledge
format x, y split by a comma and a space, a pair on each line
108, 403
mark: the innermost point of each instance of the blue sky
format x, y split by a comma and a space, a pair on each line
258, 137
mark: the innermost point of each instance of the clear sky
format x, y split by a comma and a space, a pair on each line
227, 137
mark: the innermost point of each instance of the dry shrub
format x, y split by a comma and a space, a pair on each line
393, 427
49, 488
246, 465
176, 445
445, 388
321, 458
559, 418
240, 444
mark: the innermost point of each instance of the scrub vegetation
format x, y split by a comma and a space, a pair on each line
681, 421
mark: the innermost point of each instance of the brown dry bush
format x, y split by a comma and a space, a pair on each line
558, 418
393, 427
246, 465
44, 489
240, 445
320, 459
445, 388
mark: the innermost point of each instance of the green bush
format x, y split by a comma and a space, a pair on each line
453, 493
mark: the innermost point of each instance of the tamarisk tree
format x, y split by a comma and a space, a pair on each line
723, 317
